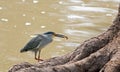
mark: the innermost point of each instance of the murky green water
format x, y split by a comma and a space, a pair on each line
78, 19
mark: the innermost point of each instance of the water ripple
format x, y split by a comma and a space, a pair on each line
82, 25
71, 44
76, 32
110, 0
92, 9
75, 17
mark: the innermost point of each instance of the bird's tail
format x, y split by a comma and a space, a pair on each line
23, 50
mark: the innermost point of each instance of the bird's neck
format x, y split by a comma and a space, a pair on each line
48, 36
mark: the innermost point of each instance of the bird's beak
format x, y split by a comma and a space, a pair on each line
62, 36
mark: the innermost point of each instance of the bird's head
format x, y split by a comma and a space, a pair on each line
55, 35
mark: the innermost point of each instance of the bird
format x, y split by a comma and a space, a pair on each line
40, 41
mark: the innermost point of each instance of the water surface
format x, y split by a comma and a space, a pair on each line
78, 19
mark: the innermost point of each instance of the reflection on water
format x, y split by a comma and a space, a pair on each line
90, 9
77, 19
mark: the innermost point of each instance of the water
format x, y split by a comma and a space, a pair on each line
77, 19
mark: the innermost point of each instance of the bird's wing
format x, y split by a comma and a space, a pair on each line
33, 43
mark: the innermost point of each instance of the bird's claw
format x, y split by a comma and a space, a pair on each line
39, 59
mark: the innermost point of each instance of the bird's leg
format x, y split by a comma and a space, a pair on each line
36, 55
39, 56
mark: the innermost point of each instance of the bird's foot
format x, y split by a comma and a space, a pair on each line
36, 58
40, 60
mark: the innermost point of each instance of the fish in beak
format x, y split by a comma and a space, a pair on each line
60, 35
